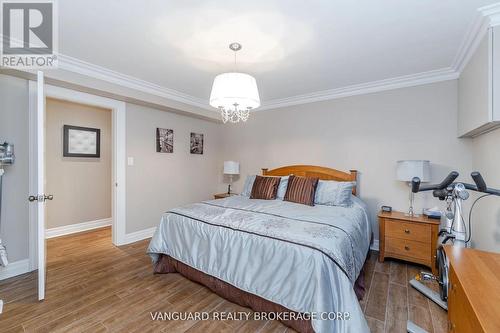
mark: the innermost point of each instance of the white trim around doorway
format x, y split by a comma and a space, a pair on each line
118, 161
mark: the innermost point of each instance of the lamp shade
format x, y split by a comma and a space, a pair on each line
408, 169
231, 168
234, 88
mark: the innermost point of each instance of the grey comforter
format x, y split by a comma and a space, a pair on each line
303, 258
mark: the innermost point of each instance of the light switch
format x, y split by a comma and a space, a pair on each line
130, 161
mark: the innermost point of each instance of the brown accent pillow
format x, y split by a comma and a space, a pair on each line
265, 188
301, 190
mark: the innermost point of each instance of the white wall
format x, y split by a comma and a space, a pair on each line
486, 214
368, 133
82, 185
14, 129
160, 181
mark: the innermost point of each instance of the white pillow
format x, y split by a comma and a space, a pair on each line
247, 187
333, 193
282, 188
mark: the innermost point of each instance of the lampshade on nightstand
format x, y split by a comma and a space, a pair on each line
406, 170
231, 168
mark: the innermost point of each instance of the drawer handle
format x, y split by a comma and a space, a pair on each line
407, 248
407, 231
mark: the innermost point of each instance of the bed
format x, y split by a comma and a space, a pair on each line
273, 255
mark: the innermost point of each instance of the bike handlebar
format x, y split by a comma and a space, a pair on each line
479, 181
415, 183
441, 190
481, 184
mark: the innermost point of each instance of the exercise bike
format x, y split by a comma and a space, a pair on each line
452, 230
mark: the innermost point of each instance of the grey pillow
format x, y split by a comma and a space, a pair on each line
247, 187
333, 193
282, 188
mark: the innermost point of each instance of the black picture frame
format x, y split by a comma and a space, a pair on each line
196, 143
164, 140
66, 153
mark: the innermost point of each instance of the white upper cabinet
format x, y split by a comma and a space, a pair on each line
496, 75
479, 88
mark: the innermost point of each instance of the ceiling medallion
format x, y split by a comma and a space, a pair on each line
234, 94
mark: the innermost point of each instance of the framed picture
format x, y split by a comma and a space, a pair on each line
164, 140
81, 141
196, 146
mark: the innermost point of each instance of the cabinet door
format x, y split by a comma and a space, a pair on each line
495, 63
461, 317
473, 90
479, 88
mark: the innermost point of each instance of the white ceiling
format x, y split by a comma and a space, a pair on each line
292, 47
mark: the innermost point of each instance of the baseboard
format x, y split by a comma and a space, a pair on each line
15, 268
139, 235
79, 227
375, 245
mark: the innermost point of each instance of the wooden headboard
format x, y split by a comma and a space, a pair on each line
314, 171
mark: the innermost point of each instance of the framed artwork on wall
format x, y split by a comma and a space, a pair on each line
164, 140
81, 141
196, 145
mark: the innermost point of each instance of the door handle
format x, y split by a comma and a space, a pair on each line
40, 198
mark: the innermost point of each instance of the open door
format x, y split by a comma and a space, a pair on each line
37, 189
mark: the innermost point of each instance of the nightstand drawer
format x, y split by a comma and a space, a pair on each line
407, 248
411, 231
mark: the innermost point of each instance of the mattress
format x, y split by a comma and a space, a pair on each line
303, 258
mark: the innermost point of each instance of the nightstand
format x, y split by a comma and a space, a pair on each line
408, 238
223, 195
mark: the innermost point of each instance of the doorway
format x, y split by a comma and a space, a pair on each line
77, 167
37, 165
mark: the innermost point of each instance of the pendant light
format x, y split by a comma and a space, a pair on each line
234, 94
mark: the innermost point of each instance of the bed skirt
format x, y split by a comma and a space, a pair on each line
167, 264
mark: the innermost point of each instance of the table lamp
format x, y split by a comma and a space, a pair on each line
231, 168
408, 169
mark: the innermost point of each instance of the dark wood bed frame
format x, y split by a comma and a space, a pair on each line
167, 264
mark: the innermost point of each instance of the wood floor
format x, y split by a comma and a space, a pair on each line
93, 286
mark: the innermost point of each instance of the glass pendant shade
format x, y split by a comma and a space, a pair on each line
234, 94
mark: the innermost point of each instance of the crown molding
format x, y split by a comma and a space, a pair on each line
486, 17
444, 74
97, 72
492, 13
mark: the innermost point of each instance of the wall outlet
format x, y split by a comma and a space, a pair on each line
130, 161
